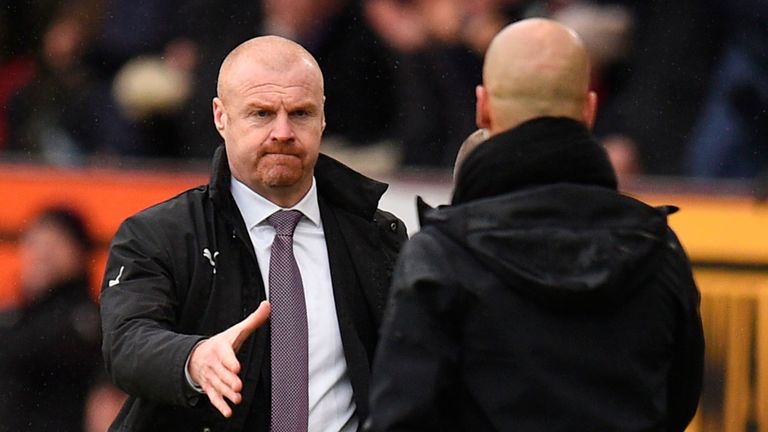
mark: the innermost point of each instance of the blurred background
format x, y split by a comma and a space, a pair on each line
105, 109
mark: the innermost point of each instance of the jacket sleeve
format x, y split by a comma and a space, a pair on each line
686, 373
415, 365
139, 310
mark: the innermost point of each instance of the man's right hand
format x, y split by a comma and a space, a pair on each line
213, 363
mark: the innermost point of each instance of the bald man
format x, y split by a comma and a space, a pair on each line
541, 299
253, 303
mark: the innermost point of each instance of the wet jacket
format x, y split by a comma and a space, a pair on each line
163, 293
541, 300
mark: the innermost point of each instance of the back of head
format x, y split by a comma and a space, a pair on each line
535, 68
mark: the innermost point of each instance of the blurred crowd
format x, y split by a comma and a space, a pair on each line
52, 377
683, 85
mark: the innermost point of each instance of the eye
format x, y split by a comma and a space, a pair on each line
301, 113
262, 113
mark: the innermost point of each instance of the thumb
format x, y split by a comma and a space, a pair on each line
246, 327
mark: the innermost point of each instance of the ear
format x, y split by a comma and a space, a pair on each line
590, 110
482, 111
219, 116
323, 114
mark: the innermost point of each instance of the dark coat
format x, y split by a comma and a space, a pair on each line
48, 360
161, 296
553, 306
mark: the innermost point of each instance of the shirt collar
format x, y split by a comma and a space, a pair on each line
256, 209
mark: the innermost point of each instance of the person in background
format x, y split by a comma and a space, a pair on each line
61, 115
188, 331
51, 343
437, 46
541, 299
730, 135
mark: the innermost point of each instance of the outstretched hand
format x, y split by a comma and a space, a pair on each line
213, 363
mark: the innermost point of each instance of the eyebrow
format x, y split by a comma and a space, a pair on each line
300, 104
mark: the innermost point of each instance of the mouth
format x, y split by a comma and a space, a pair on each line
281, 155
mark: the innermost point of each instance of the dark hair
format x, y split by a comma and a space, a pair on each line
69, 221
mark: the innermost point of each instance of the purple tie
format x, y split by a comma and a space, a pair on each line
288, 321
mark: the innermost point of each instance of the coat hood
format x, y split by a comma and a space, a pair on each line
538, 206
563, 245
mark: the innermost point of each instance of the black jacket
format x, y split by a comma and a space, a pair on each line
49, 359
161, 296
536, 303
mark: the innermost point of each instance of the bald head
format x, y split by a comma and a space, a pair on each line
270, 113
534, 68
271, 53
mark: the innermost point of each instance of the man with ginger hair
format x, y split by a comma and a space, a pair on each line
541, 299
253, 303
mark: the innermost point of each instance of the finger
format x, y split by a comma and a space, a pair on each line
229, 379
213, 389
231, 394
226, 390
219, 388
220, 404
246, 327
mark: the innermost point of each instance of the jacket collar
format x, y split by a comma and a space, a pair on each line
336, 183
539, 152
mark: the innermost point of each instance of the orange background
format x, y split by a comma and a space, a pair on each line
104, 198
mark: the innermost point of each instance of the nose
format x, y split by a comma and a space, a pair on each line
282, 129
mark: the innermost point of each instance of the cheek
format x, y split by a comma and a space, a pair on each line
244, 147
311, 139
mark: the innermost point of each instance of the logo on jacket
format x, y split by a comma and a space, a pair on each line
211, 258
115, 281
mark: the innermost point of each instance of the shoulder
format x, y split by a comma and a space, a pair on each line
181, 205
429, 272
171, 214
163, 229
427, 256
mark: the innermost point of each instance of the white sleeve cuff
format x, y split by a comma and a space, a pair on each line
195, 386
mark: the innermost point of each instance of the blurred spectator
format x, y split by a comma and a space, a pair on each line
730, 138
438, 44
51, 343
63, 115
142, 56
655, 93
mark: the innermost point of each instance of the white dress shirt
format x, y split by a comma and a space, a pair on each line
331, 405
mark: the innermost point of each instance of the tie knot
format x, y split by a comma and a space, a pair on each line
285, 221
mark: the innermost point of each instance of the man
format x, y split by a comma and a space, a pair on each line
541, 299
184, 278
50, 342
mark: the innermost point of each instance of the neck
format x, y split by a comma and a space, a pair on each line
539, 152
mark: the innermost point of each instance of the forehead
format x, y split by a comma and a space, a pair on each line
47, 230
295, 80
